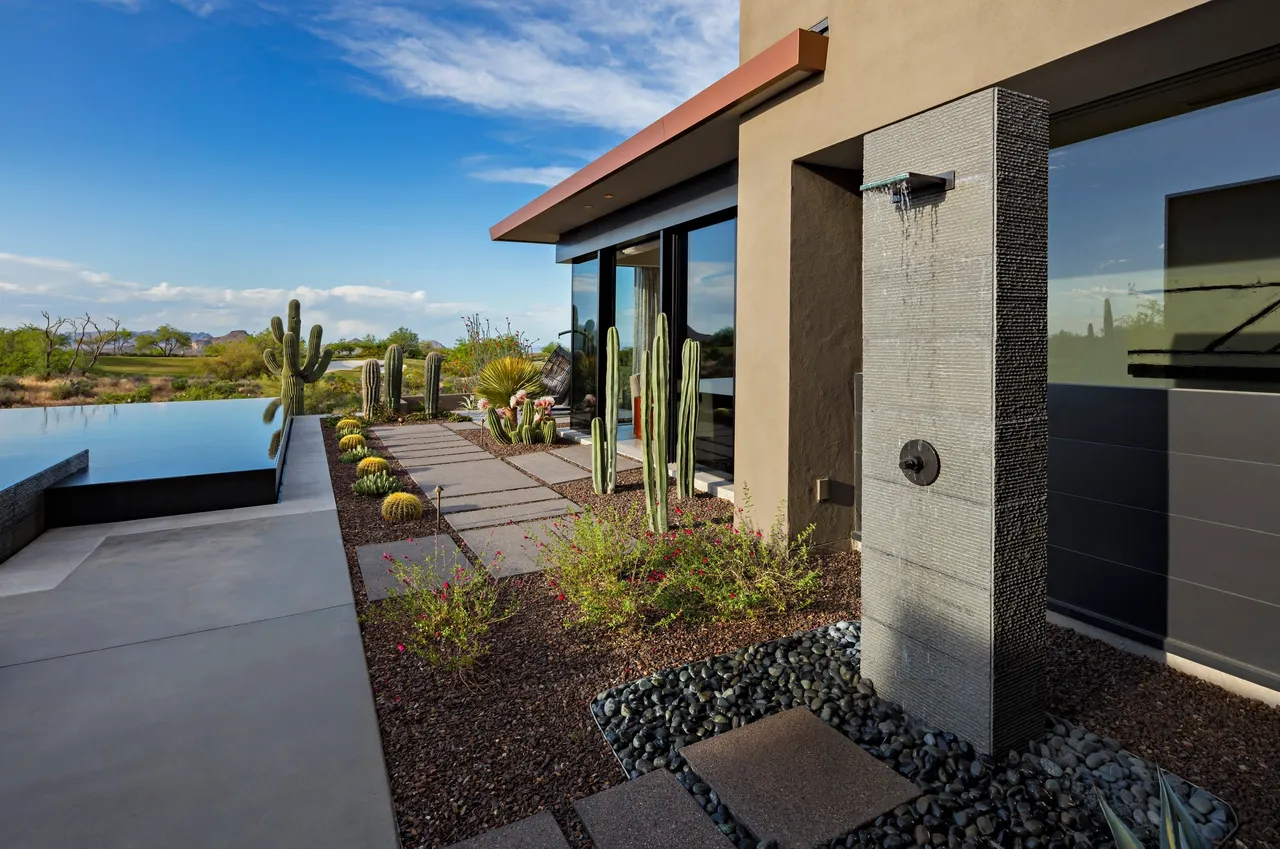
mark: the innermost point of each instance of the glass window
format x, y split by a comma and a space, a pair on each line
636, 304
1164, 252
586, 315
711, 286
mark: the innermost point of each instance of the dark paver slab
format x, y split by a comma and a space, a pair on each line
462, 425
511, 513
651, 812
439, 556
581, 455
550, 469
792, 778
470, 478
536, 832
485, 500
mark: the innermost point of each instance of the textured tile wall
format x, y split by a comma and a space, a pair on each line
22, 504
954, 352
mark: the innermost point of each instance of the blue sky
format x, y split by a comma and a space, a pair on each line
201, 161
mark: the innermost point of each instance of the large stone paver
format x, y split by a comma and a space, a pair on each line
456, 426
470, 478
437, 554
511, 513
550, 469
508, 549
581, 455
419, 461
147, 586
261, 735
536, 832
485, 500
792, 778
651, 812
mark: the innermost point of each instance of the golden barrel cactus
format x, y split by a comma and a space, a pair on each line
351, 442
401, 507
371, 466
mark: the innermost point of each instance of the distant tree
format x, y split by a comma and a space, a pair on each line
53, 337
21, 350
166, 339
1108, 323
1090, 333
89, 340
121, 341
407, 340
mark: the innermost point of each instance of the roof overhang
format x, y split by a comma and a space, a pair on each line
696, 136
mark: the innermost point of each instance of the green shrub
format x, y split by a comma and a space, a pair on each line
217, 390
73, 388
695, 572
382, 483
9, 398
179, 384
448, 627
8, 381
355, 455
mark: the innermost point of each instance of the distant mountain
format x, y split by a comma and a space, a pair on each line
233, 336
431, 345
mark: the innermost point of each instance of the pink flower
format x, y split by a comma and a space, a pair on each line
400, 647
521, 396
483, 404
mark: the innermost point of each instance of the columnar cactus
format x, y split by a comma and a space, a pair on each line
395, 376
371, 386
604, 439
656, 371
687, 421
494, 421
431, 386
295, 374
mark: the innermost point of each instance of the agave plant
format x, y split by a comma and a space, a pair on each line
1177, 829
502, 378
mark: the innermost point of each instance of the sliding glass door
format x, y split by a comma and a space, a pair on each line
636, 305
584, 347
709, 293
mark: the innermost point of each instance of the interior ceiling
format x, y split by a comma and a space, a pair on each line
644, 259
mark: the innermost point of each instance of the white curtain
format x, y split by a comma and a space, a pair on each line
646, 312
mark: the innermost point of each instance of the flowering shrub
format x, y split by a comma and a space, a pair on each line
447, 626
697, 571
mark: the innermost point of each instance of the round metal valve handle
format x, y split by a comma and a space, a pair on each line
919, 462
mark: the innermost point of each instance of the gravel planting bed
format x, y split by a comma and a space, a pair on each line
628, 494
1039, 797
486, 441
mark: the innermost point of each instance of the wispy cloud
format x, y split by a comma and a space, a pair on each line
203, 8
547, 175
122, 5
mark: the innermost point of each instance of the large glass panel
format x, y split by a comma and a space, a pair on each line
636, 308
1164, 252
711, 288
586, 317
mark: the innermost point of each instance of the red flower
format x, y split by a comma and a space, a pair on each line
731, 595
678, 511
704, 560
400, 647
560, 597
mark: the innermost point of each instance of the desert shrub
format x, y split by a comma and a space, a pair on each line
694, 572
501, 379
73, 388
179, 384
355, 455
9, 398
10, 382
450, 626
218, 390
381, 483
332, 393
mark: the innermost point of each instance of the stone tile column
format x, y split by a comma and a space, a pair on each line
954, 352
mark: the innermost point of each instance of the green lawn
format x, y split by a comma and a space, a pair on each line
152, 366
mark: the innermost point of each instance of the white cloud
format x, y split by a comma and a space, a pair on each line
38, 262
203, 8
123, 5
613, 64
546, 175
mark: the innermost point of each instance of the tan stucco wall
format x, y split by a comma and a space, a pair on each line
887, 60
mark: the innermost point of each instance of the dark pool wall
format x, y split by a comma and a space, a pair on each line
1164, 520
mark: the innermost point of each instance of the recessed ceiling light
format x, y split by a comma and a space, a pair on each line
608, 194
586, 206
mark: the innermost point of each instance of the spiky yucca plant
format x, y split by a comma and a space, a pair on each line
355, 455
381, 483
1177, 829
401, 507
502, 378
371, 466
351, 441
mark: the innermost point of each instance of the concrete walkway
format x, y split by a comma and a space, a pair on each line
194, 681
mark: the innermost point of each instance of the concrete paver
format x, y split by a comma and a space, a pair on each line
470, 478
437, 554
511, 513
651, 812
581, 455
536, 832
550, 469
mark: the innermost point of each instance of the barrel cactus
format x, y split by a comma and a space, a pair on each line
294, 373
371, 466
656, 371
687, 421
351, 441
431, 385
401, 507
348, 424
371, 387
394, 362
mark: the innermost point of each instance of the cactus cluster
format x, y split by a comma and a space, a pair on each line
431, 384
350, 442
371, 466
401, 507
355, 455
287, 364
371, 387
687, 421
656, 375
524, 421
379, 483
604, 433
394, 362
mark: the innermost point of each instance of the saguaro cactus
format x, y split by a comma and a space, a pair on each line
395, 375
497, 427
431, 384
604, 439
295, 375
687, 422
656, 371
371, 386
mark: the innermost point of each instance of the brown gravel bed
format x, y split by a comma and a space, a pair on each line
482, 438
1227, 744
514, 736
628, 495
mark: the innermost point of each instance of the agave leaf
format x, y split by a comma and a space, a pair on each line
1176, 824
503, 377
1120, 832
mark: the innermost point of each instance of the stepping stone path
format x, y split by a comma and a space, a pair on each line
438, 554
518, 544
549, 468
651, 812
581, 455
537, 832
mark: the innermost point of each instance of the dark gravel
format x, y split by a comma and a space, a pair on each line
628, 494
482, 438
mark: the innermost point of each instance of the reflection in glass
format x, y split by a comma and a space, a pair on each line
711, 288
1164, 259
586, 315
636, 305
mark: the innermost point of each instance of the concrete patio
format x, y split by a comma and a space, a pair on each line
194, 681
